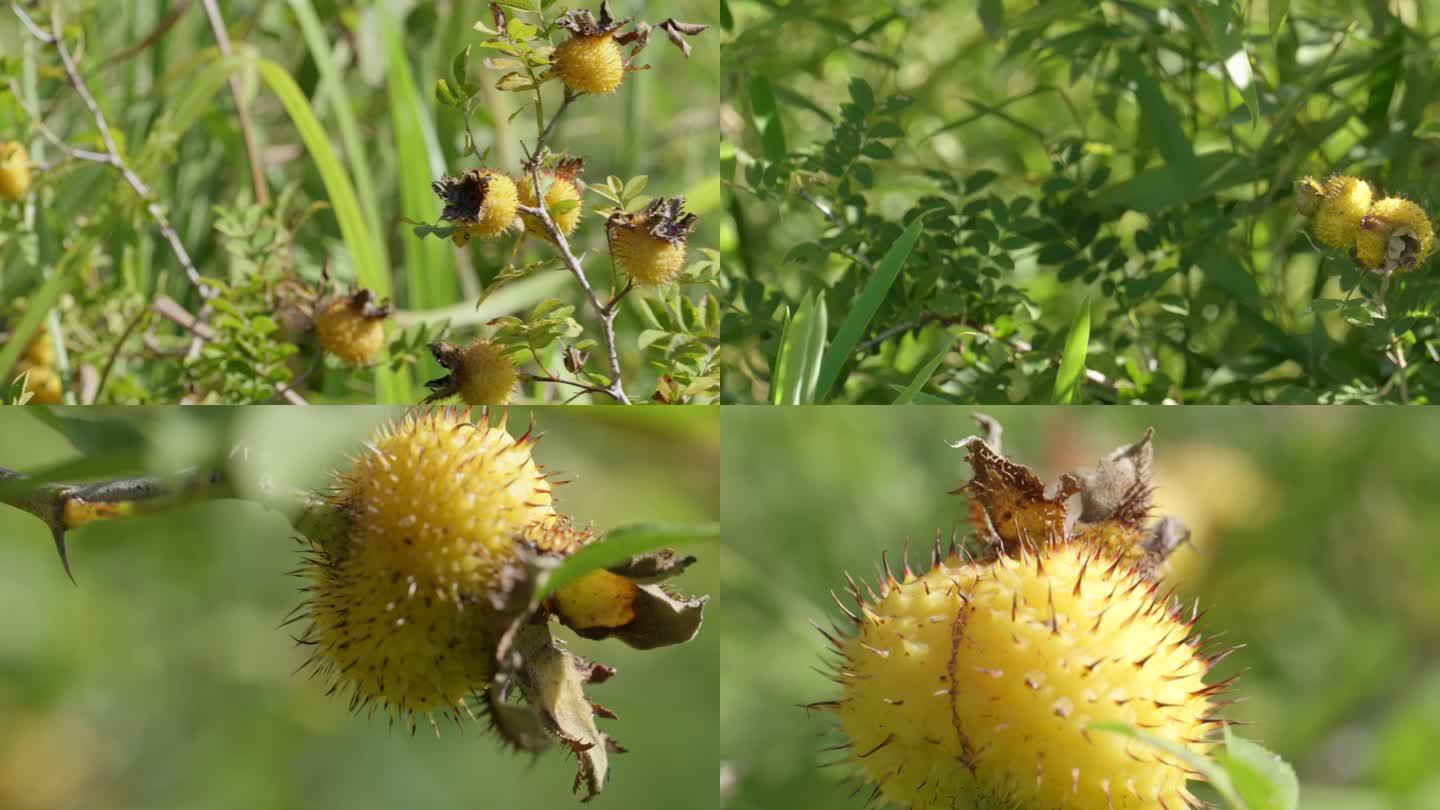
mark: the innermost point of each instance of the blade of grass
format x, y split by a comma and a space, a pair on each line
333, 88
622, 544
430, 276
865, 308
1072, 362
359, 239
925, 372
802, 345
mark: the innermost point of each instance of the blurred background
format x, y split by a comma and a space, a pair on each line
1314, 546
162, 681
368, 69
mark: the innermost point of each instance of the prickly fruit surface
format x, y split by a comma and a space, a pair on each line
1396, 234
982, 680
487, 375
14, 170
433, 511
590, 63
346, 330
647, 260
1337, 220
562, 189
481, 202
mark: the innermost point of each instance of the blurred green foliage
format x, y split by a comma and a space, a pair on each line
1139, 155
82, 255
1314, 547
162, 681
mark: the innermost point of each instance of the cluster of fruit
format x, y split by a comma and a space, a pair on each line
1388, 235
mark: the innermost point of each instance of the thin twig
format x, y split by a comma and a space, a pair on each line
111, 157
247, 132
115, 352
550, 378
1393, 349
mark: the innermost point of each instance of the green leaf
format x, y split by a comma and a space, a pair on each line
1072, 362
1261, 778
1227, 29
1166, 187
766, 117
1278, 10
862, 95
926, 371
992, 18
1157, 116
1224, 271
865, 307
430, 278
802, 345
621, 545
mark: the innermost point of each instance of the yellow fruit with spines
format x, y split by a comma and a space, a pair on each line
562, 189
980, 681
497, 213
1337, 220
433, 510
43, 383
648, 260
41, 350
347, 330
1390, 219
486, 375
14, 170
590, 63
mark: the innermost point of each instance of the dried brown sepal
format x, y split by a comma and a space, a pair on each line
447, 354
464, 196
1011, 512
677, 31
663, 218
553, 685
582, 23
1008, 505
364, 304
652, 567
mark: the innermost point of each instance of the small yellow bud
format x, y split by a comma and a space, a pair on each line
480, 374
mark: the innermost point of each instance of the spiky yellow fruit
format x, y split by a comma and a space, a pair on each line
41, 350
481, 202
590, 63
646, 259
1395, 234
981, 681
650, 246
352, 328
1337, 219
562, 189
432, 511
487, 375
14, 170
